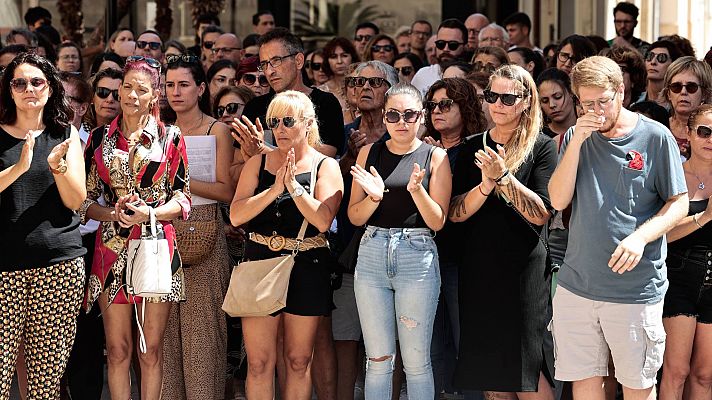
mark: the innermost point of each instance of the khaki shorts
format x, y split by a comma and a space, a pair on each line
584, 330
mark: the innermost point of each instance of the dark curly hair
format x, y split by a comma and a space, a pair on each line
198, 74
56, 114
635, 66
330, 48
465, 96
101, 57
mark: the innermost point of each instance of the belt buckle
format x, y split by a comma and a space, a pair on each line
276, 242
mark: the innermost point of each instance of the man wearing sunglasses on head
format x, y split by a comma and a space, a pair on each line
150, 45
449, 45
623, 176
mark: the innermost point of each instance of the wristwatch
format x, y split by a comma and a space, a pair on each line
61, 168
503, 180
298, 191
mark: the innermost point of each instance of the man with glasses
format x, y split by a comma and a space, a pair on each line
363, 34
474, 24
149, 45
207, 41
227, 47
420, 32
494, 35
625, 19
449, 45
622, 173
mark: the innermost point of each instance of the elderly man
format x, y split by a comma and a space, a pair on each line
149, 44
227, 47
474, 24
420, 32
449, 46
494, 35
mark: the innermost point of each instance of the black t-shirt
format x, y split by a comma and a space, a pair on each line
36, 229
328, 114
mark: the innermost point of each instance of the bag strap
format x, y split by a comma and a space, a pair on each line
315, 163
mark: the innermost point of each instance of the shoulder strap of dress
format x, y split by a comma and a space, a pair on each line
210, 127
262, 166
373, 154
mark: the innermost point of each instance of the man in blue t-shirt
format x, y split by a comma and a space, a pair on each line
623, 176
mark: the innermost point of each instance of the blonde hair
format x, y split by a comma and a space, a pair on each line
699, 68
530, 122
298, 105
596, 71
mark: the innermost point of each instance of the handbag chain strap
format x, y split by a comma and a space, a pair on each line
312, 183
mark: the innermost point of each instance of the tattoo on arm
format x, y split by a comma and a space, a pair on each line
522, 202
457, 206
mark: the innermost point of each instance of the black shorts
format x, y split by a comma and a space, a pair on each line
690, 291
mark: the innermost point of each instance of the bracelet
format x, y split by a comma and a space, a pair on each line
375, 200
694, 218
483, 193
506, 172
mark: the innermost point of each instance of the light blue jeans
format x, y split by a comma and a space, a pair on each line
397, 279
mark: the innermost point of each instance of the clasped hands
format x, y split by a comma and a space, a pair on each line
492, 165
286, 175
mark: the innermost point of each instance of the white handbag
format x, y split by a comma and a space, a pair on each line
148, 268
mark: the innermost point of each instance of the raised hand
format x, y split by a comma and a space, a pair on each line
429, 140
54, 159
415, 182
28, 150
278, 186
371, 182
250, 136
587, 123
290, 178
356, 141
490, 162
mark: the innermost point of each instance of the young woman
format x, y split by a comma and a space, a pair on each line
273, 196
339, 54
317, 68
157, 179
397, 279
229, 103
119, 36
381, 48
571, 50
407, 64
558, 103
220, 74
501, 182
528, 59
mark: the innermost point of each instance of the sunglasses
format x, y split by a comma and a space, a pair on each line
151, 45
208, 44
19, 85
315, 66
452, 45
508, 99
288, 122
479, 66
704, 132
250, 79
360, 81
676, 87
661, 57
394, 116
444, 105
231, 109
104, 92
152, 62
362, 38
186, 58
388, 48
406, 71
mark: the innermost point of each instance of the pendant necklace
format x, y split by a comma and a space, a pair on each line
701, 186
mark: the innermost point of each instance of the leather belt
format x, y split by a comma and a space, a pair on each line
279, 242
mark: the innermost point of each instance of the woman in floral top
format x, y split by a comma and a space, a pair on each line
135, 163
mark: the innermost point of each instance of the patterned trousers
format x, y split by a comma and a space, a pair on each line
39, 306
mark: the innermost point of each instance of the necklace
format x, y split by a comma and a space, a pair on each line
701, 186
187, 131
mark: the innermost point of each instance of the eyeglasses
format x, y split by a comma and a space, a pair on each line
250, 79
104, 92
274, 62
68, 57
564, 57
661, 57
421, 33
362, 38
508, 99
231, 108
385, 48
452, 45
288, 122
676, 87
152, 62
20, 84
408, 116
623, 21
589, 105
151, 45
315, 66
186, 58
479, 66
226, 50
359, 81
208, 44
445, 105
406, 71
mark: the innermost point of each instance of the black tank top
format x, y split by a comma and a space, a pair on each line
36, 229
701, 237
397, 209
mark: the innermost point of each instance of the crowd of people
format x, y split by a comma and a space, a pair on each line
472, 215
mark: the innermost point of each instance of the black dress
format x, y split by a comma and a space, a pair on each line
504, 281
309, 292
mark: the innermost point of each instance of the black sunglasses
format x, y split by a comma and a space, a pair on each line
231, 109
386, 48
661, 57
362, 38
479, 66
508, 99
445, 105
20, 84
704, 132
151, 45
394, 116
452, 45
360, 81
315, 66
676, 87
208, 44
404, 70
186, 58
104, 92
250, 79
152, 62
288, 122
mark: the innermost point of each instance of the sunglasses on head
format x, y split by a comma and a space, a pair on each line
452, 45
480, 66
186, 58
230, 108
250, 79
208, 44
151, 45
362, 38
394, 116
444, 105
152, 62
661, 57
288, 122
104, 92
508, 99
19, 85
360, 81
386, 48
404, 70
676, 87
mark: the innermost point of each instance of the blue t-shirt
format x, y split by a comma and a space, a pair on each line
610, 202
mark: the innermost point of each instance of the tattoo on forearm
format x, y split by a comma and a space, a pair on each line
457, 206
522, 202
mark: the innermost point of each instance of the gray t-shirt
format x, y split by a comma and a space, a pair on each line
610, 202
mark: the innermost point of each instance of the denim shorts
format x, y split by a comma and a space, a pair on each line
690, 291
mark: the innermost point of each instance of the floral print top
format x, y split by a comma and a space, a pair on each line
158, 174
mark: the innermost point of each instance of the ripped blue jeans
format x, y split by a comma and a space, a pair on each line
397, 284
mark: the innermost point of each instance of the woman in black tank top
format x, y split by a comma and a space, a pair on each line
274, 198
401, 191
